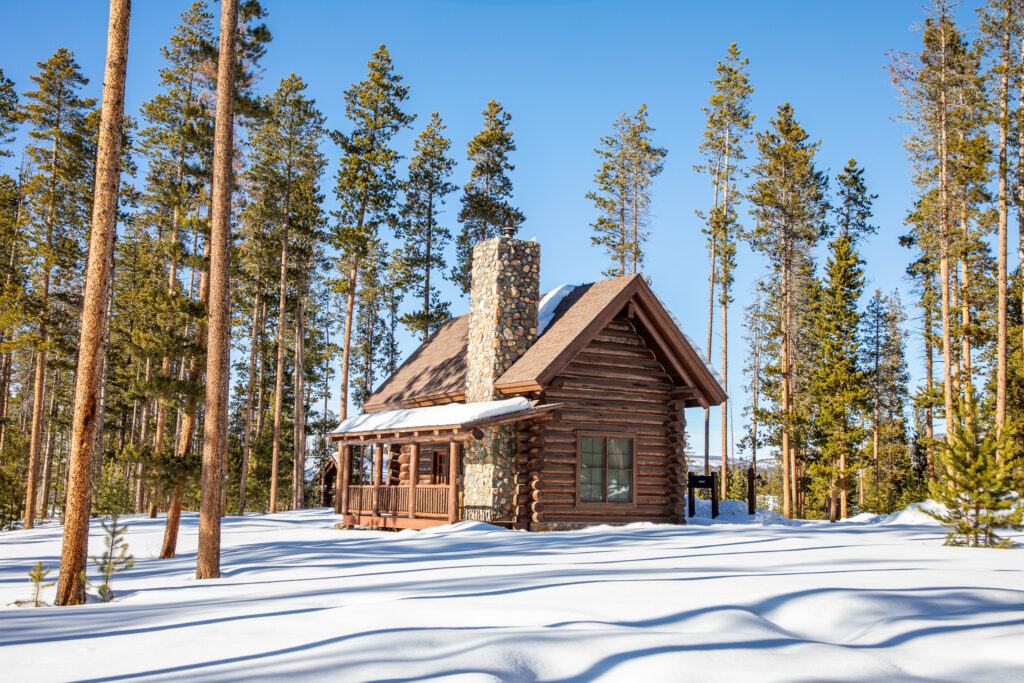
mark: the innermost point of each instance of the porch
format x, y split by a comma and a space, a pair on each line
402, 469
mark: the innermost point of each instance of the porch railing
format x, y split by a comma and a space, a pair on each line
431, 500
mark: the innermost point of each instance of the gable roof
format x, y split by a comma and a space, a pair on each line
587, 311
436, 371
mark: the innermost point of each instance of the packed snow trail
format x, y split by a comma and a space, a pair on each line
739, 596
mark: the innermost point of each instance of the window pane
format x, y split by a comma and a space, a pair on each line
620, 484
592, 484
592, 451
620, 453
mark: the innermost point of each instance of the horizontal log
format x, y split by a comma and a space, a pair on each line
619, 374
566, 382
607, 397
623, 337
537, 517
640, 364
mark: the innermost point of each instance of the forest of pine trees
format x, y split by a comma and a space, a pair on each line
117, 391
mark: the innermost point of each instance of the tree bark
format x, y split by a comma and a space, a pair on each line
299, 429
70, 587
282, 290
346, 352
218, 344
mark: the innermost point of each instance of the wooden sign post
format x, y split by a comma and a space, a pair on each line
701, 481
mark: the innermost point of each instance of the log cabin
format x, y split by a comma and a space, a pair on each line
528, 412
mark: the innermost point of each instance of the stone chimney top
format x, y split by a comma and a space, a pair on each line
508, 231
502, 310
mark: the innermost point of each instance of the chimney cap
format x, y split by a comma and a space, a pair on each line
508, 231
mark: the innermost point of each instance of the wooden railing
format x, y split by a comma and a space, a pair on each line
431, 500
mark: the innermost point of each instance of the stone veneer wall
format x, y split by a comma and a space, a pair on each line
502, 326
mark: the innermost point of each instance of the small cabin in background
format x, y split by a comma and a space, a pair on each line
531, 413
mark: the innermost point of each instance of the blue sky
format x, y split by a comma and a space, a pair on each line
564, 69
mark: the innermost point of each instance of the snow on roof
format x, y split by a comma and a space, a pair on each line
432, 416
548, 304
696, 348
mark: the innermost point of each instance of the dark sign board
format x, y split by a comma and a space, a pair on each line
702, 481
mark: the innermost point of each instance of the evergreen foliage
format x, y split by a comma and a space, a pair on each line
629, 164
37, 575
977, 490
423, 235
115, 557
485, 200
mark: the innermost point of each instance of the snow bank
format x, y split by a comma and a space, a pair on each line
432, 416
548, 303
643, 602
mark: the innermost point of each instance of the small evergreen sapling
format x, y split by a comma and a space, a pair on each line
977, 490
115, 557
37, 574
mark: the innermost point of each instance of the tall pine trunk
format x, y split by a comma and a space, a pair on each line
282, 290
299, 429
346, 352
219, 339
788, 491
70, 586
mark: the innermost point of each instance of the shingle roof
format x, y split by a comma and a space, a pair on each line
434, 373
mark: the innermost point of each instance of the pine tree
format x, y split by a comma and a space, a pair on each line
838, 384
883, 360
728, 121
284, 177
644, 164
935, 85
1002, 31
58, 209
485, 199
115, 557
611, 197
789, 208
977, 490
366, 183
424, 237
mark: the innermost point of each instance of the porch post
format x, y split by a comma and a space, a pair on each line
344, 475
338, 509
453, 477
414, 475
378, 462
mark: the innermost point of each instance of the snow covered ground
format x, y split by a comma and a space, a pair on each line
739, 599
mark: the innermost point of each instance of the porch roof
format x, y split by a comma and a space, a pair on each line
451, 421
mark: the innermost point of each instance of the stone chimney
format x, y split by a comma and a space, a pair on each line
502, 310
502, 326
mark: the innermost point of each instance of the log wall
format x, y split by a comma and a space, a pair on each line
613, 385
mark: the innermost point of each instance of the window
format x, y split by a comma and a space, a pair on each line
606, 468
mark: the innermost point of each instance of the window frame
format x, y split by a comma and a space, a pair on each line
580, 501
